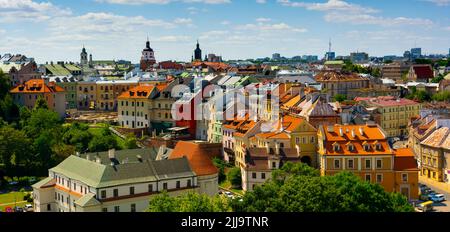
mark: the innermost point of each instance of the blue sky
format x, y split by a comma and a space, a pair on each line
55, 30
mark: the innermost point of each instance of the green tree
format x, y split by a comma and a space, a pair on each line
298, 188
40, 103
102, 143
190, 202
42, 120
131, 141
78, 136
340, 97
442, 96
163, 203
235, 178
220, 164
5, 84
15, 147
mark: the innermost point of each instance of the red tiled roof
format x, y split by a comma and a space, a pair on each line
404, 160
200, 156
386, 101
423, 71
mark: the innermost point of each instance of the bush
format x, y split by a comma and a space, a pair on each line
235, 178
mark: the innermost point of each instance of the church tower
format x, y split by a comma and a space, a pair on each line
148, 57
83, 57
198, 53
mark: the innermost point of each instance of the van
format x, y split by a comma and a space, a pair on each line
438, 198
425, 207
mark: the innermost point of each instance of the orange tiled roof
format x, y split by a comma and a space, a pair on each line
199, 155
289, 123
404, 160
138, 92
37, 86
372, 135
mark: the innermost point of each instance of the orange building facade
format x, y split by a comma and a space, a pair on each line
28, 93
364, 151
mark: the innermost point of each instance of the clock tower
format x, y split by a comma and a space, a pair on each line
148, 57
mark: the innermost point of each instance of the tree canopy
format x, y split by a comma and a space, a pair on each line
299, 188
190, 202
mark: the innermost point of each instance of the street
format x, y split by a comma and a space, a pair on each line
439, 188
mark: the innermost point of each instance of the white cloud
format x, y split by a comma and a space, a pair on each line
270, 27
440, 2
161, 2
99, 23
261, 1
359, 19
28, 10
263, 20
339, 11
331, 5
225, 22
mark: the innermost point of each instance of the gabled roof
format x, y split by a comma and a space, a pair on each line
440, 138
125, 171
87, 200
423, 71
37, 86
199, 155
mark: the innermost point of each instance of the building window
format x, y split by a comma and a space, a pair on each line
263, 176
337, 164
350, 164
116, 209
165, 186
150, 188
74, 186
178, 184
379, 178
404, 177
131, 190
368, 163
105, 210
379, 163
103, 193
133, 207
56, 196
254, 175
116, 192
49, 207
274, 165
189, 183
368, 177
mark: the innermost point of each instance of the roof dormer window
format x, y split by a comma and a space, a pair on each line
336, 147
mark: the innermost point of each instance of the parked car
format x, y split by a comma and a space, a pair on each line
28, 208
438, 198
18, 209
425, 207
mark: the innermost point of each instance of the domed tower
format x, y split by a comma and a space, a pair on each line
198, 53
83, 57
148, 57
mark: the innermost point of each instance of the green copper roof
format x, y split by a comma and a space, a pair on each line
42, 182
87, 200
128, 169
57, 70
334, 62
72, 68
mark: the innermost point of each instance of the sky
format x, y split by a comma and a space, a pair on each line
56, 30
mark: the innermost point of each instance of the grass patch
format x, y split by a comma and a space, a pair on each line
10, 198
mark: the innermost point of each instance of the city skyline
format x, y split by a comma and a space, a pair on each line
117, 29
